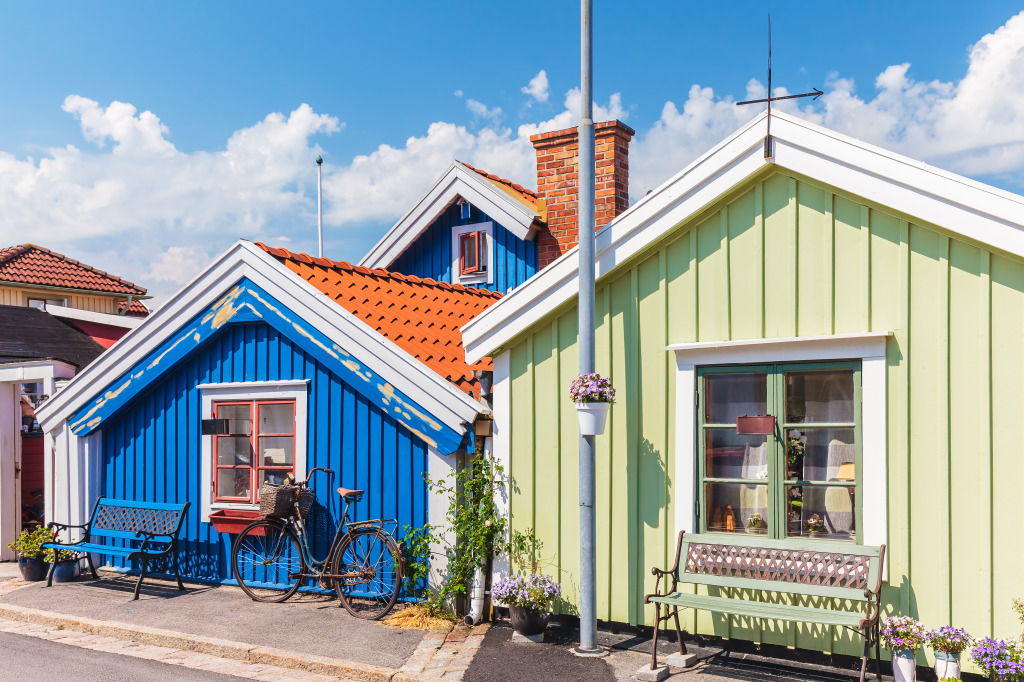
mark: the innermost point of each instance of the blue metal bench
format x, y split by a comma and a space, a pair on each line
848, 575
150, 527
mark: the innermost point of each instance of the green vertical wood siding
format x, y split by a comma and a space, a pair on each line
784, 256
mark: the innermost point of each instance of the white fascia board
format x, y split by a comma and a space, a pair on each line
36, 370
123, 321
421, 384
457, 181
960, 205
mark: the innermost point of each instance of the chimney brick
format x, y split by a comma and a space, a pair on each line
557, 183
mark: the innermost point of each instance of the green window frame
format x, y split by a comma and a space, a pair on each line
769, 471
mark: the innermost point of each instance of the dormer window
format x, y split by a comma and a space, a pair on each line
473, 253
472, 246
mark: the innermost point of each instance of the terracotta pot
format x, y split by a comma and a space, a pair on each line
528, 622
34, 569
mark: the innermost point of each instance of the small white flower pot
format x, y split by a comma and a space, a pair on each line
593, 417
947, 665
904, 666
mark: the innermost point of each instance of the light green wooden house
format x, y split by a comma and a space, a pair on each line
873, 304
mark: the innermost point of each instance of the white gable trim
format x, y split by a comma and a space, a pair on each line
457, 181
407, 374
125, 321
974, 210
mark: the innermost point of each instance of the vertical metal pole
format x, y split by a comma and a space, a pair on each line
320, 205
586, 230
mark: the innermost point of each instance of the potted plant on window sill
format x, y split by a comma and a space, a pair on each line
31, 557
948, 643
756, 524
815, 526
903, 636
593, 395
527, 598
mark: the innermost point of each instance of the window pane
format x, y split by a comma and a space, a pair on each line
819, 397
730, 505
727, 396
468, 248
274, 476
821, 511
277, 418
277, 450
233, 450
820, 454
482, 251
239, 418
233, 482
729, 455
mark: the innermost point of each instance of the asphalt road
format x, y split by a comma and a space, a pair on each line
30, 658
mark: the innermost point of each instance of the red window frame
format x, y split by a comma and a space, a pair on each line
255, 433
475, 243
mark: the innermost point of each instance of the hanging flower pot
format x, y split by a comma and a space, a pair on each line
593, 395
593, 417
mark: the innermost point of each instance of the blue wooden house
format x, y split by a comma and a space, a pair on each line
361, 371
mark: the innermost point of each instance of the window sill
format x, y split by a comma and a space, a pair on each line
471, 279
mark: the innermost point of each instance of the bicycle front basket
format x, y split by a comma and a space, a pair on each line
276, 500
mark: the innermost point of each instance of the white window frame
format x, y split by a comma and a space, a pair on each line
486, 277
868, 348
297, 391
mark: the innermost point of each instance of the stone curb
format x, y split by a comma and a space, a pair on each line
222, 648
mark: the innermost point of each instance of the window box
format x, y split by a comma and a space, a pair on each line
233, 520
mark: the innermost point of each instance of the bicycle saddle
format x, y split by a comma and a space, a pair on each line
345, 492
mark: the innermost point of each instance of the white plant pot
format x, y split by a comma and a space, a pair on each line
947, 665
904, 666
593, 417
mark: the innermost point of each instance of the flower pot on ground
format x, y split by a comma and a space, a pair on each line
66, 571
948, 643
32, 558
33, 569
904, 636
593, 395
1000, 659
528, 598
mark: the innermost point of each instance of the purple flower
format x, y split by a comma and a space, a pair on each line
591, 388
901, 632
999, 657
532, 591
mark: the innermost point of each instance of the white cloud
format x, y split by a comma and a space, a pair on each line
178, 264
481, 111
537, 88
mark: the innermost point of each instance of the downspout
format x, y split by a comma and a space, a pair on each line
127, 305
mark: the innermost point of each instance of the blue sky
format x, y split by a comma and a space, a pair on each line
144, 137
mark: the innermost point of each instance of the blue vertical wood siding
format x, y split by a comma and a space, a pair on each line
151, 448
514, 260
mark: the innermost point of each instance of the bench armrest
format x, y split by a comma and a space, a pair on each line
667, 574
57, 526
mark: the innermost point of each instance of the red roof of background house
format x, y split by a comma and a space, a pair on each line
136, 309
527, 196
421, 316
31, 264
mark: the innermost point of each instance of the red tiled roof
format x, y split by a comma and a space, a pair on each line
527, 196
421, 316
31, 264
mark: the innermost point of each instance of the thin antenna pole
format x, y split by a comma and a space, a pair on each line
768, 137
320, 204
587, 238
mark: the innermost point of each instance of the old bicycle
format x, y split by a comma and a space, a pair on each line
272, 557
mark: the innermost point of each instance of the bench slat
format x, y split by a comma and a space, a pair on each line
163, 506
126, 535
757, 609
93, 548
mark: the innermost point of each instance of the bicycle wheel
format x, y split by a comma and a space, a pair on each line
369, 558
267, 561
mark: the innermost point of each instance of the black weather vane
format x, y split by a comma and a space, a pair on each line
815, 94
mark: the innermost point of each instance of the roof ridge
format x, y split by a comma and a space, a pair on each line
21, 249
378, 273
505, 181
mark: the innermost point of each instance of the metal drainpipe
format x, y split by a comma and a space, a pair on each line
586, 231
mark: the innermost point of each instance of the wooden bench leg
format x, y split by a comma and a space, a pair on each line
142, 574
654, 644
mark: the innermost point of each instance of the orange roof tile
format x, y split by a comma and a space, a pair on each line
421, 316
137, 308
31, 264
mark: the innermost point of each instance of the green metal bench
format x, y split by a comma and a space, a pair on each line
756, 564
151, 527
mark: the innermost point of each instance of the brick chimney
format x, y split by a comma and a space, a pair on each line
558, 182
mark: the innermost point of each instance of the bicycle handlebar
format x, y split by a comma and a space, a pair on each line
310, 474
